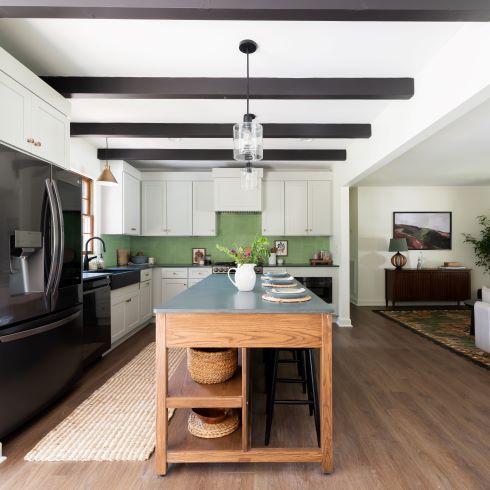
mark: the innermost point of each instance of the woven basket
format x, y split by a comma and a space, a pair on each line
211, 366
199, 428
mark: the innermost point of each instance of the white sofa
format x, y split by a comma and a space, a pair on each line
482, 321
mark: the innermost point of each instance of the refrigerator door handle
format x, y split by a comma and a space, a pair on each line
38, 330
61, 236
55, 235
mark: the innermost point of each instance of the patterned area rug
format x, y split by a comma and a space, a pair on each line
116, 422
449, 328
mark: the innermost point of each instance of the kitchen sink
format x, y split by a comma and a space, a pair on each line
120, 278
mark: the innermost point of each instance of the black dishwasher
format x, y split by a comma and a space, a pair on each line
96, 317
321, 286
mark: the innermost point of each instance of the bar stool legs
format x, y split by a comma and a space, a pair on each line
307, 378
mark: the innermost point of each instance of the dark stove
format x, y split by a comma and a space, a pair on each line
223, 267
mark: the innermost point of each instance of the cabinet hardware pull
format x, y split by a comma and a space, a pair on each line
133, 229
128, 300
306, 229
30, 140
37, 143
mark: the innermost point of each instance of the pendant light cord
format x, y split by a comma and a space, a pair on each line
248, 84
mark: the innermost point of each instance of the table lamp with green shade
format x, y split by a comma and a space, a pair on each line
398, 245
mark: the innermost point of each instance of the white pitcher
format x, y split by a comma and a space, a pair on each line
245, 277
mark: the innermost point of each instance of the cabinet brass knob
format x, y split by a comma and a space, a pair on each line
30, 140
37, 143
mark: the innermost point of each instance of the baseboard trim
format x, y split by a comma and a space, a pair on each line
344, 322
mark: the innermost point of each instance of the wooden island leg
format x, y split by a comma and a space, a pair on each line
161, 387
326, 394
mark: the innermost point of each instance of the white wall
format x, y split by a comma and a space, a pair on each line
375, 207
84, 161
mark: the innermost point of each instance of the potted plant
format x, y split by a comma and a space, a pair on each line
246, 258
481, 245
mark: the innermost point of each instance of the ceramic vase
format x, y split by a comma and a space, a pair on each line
245, 277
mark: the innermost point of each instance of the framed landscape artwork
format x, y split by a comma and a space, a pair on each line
424, 230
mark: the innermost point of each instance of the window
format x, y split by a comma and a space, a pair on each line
87, 210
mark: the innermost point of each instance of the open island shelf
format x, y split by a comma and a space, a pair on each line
205, 316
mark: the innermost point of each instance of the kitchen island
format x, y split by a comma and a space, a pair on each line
214, 314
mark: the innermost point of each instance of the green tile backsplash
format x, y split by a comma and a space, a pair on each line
233, 229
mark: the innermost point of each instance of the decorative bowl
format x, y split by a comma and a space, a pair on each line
211, 415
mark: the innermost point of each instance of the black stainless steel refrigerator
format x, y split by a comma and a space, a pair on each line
40, 285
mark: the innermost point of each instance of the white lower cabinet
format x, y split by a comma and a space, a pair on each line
146, 310
172, 287
118, 327
131, 307
173, 280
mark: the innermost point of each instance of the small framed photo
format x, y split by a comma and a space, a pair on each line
282, 247
198, 256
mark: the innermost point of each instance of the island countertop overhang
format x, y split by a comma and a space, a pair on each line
216, 294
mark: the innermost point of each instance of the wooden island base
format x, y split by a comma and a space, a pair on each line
244, 331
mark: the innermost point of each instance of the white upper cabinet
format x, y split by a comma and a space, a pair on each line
51, 133
131, 204
33, 117
166, 208
308, 207
14, 113
320, 207
203, 215
273, 208
153, 203
296, 207
228, 192
179, 208
121, 204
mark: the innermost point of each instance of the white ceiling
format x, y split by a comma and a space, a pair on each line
459, 154
79, 47
69, 47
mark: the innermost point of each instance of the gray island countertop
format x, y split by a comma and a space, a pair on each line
216, 294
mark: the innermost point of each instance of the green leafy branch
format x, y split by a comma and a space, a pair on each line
481, 245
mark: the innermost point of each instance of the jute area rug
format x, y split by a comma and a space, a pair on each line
448, 328
116, 423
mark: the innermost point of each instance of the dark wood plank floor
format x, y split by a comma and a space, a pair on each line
407, 414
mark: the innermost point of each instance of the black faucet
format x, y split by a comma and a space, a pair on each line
86, 260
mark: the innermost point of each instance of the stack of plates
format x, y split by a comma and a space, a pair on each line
275, 275
287, 293
278, 279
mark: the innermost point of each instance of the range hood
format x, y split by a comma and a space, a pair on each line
229, 195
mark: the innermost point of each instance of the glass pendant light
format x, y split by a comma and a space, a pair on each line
247, 135
107, 177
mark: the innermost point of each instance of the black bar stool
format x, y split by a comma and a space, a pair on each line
305, 362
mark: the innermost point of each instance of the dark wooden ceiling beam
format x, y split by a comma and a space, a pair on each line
191, 130
290, 10
131, 154
232, 88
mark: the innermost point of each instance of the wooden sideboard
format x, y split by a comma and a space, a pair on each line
427, 285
